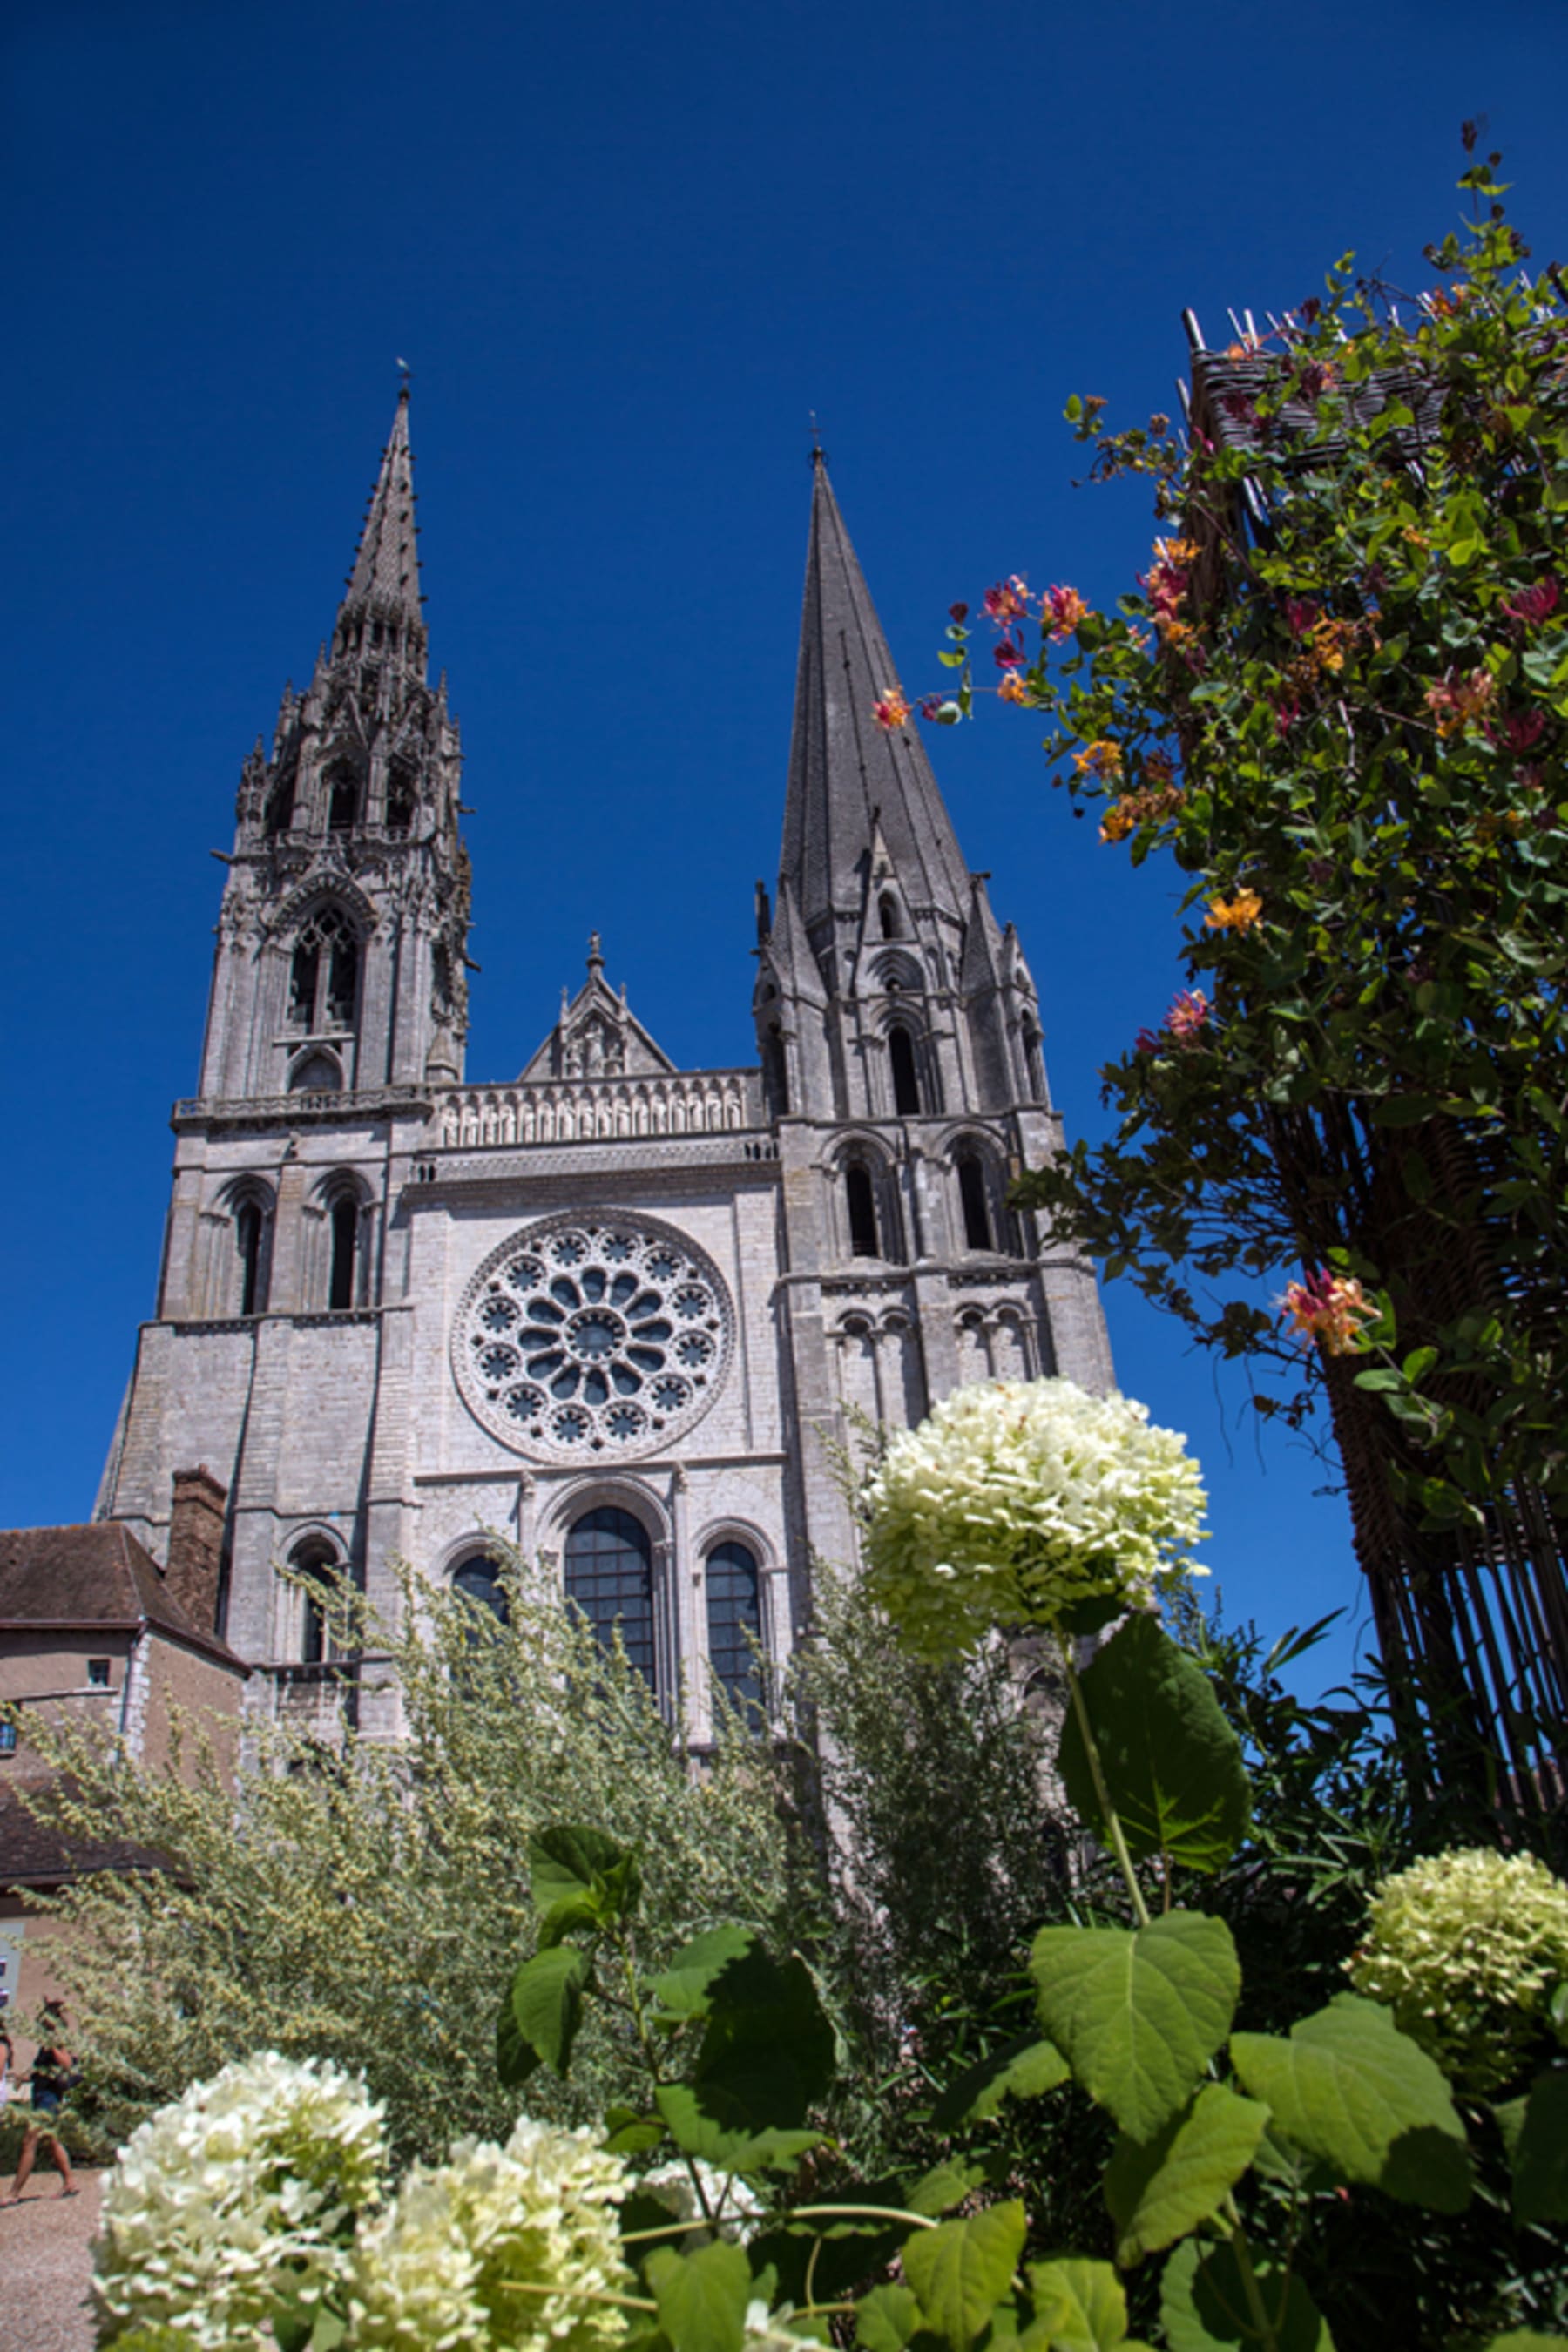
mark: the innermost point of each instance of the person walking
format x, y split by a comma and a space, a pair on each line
52, 2076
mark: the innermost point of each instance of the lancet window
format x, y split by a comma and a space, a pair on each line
323, 976
610, 1577
252, 1250
342, 798
319, 1565
860, 1201
735, 1622
905, 1073
477, 1579
976, 1207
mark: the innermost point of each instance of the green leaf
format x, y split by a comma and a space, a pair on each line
1523, 2339
1352, 2089
1024, 2070
1172, 1763
515, 2057
944, 2186
887, 2318
579, 1910
1540, 2152
685, 1989
702, 2296
706, 2121
547, 2002
1205, 2305
628, 2134
565, 1863
1403, 1110
1080, 2306
1138, 2014
768, 2043
1158, 2189
961, 2270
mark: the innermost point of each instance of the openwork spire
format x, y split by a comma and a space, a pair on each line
846, 772
384, 581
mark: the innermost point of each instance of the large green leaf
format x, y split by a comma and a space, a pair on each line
1541, 2151
1172, 1763
887, 2318
1026, 2069
1524, 2339
1349, 2087
1158, 2189
768, 2043
702, 2296
706, 2121
1205, 2305
1138, 2013
1080, 2306
942, 2187
547, 2002
961, 2270
515, 2057
564, 1864
686, 1987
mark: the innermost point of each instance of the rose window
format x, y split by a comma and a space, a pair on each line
578, 1340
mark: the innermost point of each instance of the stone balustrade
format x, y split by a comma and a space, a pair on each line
582, 1110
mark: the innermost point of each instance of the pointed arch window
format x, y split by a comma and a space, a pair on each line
281, 807
323, 975
892, 923
342, 1285
776, 1071
905, 1073
399, 799
342, 798
973, 1202
735, 1623
860, 1200
318, 1566
1035, 1061
610, 1577
252, 1234
477, 1579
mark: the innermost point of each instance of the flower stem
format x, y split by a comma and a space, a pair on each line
856, 2214
1112, 1823
1243, 2252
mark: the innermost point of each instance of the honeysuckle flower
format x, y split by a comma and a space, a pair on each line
1519, 732
1287, 710
1147, 1041
891, 709
1316, 378
1188, 1016
1457, 700
259, 2172
1011, 688
1302, 615
1330, 1308
1238, 914
1101, 760
1008, 602
1466, 1949
1160, 768
497, 2246
1063, 609
1016, 1499
958, 614
1008, 654
1535, 603
1126, 813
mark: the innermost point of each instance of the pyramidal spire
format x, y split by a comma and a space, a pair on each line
386, 578
846, 772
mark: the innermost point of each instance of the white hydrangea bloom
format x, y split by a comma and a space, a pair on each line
724, 2193
457, 2261
770, 2331
1464, 1948
265, 2166
1016, 1499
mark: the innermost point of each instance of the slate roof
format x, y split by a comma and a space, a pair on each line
386, 568
92, 1578
844, 770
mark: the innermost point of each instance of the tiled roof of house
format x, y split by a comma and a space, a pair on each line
95, 1576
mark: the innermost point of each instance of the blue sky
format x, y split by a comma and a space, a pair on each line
626, 250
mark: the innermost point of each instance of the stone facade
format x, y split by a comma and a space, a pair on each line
399, 1313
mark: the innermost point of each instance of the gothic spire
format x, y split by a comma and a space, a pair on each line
846, 772
385, 577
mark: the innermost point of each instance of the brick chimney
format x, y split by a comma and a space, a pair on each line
196, 1545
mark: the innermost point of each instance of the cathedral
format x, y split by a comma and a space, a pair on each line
614, 1311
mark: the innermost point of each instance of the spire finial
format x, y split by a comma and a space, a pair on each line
407, 373
595, 953
818, 454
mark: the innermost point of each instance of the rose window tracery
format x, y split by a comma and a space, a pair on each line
580, 1339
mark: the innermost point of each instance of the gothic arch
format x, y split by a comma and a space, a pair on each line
318, 890
343, 1205
897, 972
981, 1219
867, 1212
250, 1206
317, 1070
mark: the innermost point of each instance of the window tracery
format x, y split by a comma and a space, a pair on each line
583, 1340
324, 972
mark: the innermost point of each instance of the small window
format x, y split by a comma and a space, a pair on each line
735, 1622
972, 1197
251, 1247
399, 800
892, 928
7, 1739
860, 1197
1035, 1061
342, 801
610, 1577
906, 1079
322, 1572
98, 1674
281, 807
341, 1287
776, 1071
479, 1580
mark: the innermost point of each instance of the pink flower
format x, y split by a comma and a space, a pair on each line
1008, 602
1287, 710
892, 709
929, 705
1064, 608
1188, 1016
958, 614
1008, 654
1301, 613
1148, 1040
1533, 604
1315, 378
1518, 734
1329, 1308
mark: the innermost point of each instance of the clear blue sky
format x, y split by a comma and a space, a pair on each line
626, 250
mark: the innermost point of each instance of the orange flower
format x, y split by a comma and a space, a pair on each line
1329, 1308
1063, 608
893, 711
1125, 815
1102, 758
1238, 914
1458, 700
1013, 689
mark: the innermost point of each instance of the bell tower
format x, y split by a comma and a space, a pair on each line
343, 930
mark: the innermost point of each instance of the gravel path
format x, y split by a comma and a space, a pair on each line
45, 2266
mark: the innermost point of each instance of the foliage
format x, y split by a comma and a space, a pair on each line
1338, 701
360, 1905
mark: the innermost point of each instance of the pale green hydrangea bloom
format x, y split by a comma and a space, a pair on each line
1017, 1499
261, 2169
725, 2194
1464, 1948
771, 2331
438, 2271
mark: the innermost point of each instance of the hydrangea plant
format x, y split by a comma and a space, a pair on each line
1466, 1949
